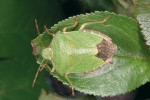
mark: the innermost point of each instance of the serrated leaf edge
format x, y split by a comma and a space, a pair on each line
90, 14
143, 29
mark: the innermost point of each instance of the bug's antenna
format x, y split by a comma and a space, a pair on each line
46, 29
37, 27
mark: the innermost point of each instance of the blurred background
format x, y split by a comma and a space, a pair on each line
17, 29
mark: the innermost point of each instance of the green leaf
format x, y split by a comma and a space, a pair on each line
17, 28
125, 7
142, 12
130, 68
144, 20
142, 7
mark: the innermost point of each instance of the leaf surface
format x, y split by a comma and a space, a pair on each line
144, 20
17, 28
142, 12
130, 68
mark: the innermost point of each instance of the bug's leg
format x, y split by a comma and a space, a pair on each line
46, 29
39, 70
36, 75
35, 53
70, 83
51, 69
90, 23
71, 27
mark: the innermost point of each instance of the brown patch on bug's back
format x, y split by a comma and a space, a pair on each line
106, 49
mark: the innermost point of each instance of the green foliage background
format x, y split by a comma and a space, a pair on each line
17, 64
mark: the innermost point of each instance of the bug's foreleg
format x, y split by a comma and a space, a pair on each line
36, 75
90, 23
71, 27
70, 83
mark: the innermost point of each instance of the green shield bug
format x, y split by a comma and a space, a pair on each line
81, 51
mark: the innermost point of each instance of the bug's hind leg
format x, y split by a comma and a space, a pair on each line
90, 23
70, 83
71, 27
